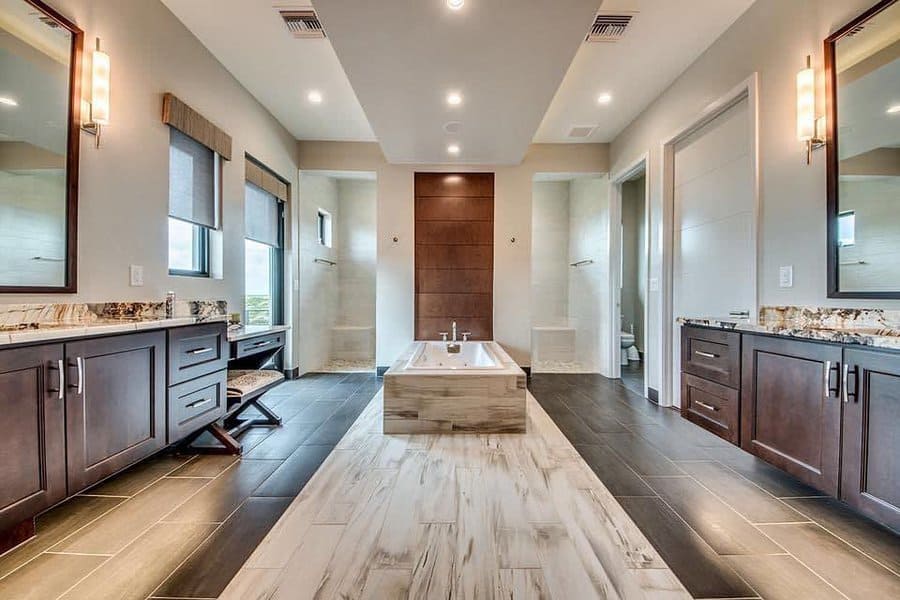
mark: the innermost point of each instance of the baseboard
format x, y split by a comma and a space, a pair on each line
292, 373
380, 371
653, 395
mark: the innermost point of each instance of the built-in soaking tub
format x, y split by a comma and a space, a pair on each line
430, 390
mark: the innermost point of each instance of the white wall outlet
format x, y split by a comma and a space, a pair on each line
296, 285
136, 275
786, 276
654, 284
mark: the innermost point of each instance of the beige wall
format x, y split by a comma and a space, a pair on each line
512, 220
124, 185
772, 38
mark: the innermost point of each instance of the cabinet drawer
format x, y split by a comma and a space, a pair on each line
712, 354
196, 404
197, 350
259, 344
711, 405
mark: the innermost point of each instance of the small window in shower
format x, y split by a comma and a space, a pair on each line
847, 228
324, 226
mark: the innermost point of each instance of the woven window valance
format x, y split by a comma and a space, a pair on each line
188, 121
266, 180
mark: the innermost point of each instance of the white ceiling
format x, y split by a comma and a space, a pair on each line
249, 38
510, 59
663, 39
507, 58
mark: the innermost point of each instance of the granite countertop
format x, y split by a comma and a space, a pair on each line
46, 332
244, 332
863, 335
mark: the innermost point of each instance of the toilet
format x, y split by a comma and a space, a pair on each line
629, 351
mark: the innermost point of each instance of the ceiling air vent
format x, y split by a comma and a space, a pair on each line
609, 27
302, 23
581, 131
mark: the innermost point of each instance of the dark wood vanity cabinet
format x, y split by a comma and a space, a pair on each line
870, 474
33, 444
791, 407
115, 404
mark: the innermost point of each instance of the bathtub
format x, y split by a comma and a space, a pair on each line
433, 356
478, 390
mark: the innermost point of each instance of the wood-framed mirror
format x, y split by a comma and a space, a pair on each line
40, 122
862, 64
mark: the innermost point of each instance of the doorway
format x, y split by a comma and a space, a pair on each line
630, 251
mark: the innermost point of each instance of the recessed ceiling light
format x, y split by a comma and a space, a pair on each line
455, 4
8, 101
453, 149
315, 96
454, 98
604, 98
894, 109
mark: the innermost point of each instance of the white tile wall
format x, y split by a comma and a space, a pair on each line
319, 300
550, 254
875, 202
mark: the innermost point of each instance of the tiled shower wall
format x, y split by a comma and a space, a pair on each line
337, 310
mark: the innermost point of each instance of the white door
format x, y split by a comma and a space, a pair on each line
714, 258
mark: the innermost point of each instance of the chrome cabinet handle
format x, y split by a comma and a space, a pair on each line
199, 403
705, 354
827, 373
846, 383
706, 406
79, 386
199, 351
59, 368
261, 344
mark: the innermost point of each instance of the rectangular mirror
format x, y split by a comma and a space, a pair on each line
863, 80
40, 80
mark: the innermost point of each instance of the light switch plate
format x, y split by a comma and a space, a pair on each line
654, 284
786, 276
136, 275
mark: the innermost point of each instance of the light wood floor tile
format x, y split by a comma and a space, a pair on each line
462, 516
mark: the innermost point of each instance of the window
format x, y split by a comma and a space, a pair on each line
263, 257
847, 228
324, 226
193, 204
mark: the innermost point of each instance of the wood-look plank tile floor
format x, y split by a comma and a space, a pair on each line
455, 516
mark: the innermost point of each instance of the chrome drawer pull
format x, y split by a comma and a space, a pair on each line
199, 403
261, 344
706, 406
199, 351
705, 354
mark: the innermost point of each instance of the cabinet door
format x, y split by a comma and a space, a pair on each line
790, 409
32, 447
870, 479
116, 404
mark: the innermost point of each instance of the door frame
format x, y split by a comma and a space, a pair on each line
749, 89
640, 164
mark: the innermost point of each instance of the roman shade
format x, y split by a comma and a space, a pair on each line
192, 186
262, 216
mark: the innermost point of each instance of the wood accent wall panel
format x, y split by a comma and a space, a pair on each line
454, 254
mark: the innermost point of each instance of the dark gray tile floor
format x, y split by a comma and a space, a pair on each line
181, 526
728, 524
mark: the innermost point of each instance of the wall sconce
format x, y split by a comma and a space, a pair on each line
98, 107
808, 127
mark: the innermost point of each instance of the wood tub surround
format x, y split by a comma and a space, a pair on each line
454, 257
828, 413
462, 401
